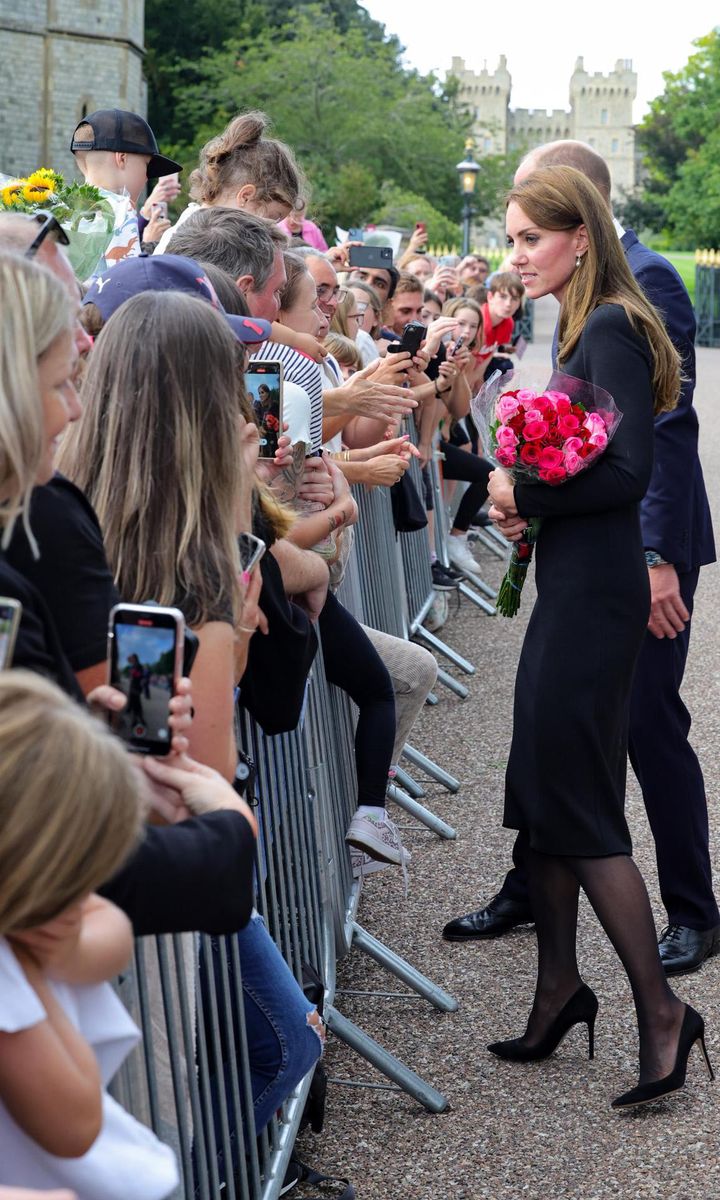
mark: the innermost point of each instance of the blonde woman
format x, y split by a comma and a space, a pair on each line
71, 805
165, 453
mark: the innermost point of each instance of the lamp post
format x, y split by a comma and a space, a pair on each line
468, 172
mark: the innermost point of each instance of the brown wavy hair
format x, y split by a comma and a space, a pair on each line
561, 198
243, 154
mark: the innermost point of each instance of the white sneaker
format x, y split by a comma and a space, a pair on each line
377, 836
362, 864
460, 553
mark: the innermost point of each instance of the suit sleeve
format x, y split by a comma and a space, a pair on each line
616, 358
667, 510
196, 876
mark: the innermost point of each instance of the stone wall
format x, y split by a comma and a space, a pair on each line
62, 59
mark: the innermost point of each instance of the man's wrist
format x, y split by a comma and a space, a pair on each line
653, 558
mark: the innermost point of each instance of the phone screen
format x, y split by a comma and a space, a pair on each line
10, 613
143, 665
263, 380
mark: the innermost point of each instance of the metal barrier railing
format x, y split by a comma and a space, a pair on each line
192, 1079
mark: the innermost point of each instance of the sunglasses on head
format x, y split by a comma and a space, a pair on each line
48, 225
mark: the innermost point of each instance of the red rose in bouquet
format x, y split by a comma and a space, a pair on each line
544, 436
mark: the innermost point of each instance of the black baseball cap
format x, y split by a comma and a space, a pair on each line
115, 129
167, 273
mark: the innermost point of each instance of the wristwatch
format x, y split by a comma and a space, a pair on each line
653, 559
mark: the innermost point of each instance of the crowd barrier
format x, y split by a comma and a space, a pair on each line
186, 991
707, 298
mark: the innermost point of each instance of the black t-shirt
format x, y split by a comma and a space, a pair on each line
38, 647
72, 573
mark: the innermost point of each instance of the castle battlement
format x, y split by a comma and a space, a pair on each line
600, 113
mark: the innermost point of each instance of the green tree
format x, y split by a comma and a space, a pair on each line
679, 138
342, 99
404, 209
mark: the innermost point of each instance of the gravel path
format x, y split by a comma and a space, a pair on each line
542, 1131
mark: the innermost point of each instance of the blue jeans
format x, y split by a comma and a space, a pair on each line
282, 1045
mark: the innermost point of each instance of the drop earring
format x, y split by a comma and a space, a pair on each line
578, 260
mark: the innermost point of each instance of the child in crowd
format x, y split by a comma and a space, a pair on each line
69, 818
504, 299
345, 353
116, 152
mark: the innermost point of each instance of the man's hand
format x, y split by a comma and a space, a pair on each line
668, 614
339, 256
367, 395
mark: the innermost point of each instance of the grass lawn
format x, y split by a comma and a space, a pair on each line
684, 263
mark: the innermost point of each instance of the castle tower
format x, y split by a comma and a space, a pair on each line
61, 60
488, 96
602, 116
600, 113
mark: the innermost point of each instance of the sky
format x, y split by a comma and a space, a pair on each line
542, 41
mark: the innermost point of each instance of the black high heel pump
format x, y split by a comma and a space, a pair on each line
581, 1009
691, 1031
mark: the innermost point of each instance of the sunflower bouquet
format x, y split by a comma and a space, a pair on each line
84, 213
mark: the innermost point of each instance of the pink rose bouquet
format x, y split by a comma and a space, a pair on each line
545, 436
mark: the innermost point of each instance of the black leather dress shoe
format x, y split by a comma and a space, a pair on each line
497, 918
683, 950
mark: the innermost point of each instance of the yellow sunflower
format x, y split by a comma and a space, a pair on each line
12, 193
36, 192
45, 178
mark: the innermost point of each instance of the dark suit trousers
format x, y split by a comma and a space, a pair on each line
671, 780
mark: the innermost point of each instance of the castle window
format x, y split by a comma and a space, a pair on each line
591, 142
497, 91
615, 145
603, 116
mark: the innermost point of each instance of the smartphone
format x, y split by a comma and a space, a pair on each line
160, 208
379, 257
264, 383
413, 336
145, 659
356, 235
251, 551
10, 614
191, 645
458, 346
448, 260
421, 226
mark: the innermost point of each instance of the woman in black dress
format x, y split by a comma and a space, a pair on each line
565, 784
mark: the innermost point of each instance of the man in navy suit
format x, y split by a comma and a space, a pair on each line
678, 540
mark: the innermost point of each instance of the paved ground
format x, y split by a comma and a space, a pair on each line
544, 1131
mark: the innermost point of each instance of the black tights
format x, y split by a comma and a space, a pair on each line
617, 893
353, 664
461, 464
